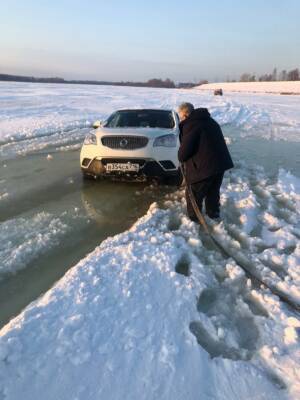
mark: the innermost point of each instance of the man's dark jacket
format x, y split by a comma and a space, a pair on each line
202, 147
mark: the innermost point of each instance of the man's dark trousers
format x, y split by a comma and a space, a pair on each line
208, 190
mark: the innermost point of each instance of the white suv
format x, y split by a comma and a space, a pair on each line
138, 143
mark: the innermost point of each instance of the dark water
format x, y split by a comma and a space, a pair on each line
91, 210
270, 154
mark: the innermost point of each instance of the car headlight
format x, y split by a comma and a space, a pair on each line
90, 138
165, 141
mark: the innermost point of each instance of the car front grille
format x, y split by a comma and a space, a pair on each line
124, 142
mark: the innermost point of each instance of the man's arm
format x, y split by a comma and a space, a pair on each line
189, 145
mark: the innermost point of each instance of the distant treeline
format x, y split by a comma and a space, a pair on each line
155, 83
284, 75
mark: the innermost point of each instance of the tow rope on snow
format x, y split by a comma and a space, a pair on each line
245, 264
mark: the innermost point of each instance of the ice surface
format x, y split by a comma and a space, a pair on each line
35, 117
23, 239
156, 309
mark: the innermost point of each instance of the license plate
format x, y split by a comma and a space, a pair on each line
122, 167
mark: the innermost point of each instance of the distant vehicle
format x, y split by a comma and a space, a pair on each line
218, 92
135, 143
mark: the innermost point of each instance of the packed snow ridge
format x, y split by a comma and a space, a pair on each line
163, 315
283, 87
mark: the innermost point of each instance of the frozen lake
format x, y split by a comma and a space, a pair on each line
53, 218
50, 219
81, 214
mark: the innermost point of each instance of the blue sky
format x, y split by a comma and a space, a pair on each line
135, 40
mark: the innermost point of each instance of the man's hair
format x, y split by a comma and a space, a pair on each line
187, 108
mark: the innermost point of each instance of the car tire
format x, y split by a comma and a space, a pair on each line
172, 180
88, 177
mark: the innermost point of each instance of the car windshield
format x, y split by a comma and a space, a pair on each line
141, 119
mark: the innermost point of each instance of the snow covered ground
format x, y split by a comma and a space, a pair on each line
37, 117
134, 310
283, 87
155, 312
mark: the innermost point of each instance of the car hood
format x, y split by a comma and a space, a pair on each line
149, 132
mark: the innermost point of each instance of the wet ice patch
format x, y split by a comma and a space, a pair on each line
3, 196
24, 239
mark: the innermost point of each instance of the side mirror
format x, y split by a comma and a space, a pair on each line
97, 124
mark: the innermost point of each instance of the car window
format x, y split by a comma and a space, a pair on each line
141, 119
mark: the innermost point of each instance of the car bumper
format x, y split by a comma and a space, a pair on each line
148, 168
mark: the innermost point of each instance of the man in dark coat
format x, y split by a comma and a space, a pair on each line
205, 156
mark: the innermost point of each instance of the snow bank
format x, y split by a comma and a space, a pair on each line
157, 311
255, 87
267, 231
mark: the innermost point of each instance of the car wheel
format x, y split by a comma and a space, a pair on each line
88, 177
172, 180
